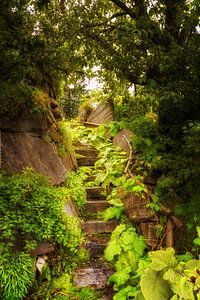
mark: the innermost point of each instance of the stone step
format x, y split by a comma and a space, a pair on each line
99, 226
87, 152
86, 161
95, 192
96, 205
96, 245
93, 276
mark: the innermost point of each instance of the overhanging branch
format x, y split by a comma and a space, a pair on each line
125, 8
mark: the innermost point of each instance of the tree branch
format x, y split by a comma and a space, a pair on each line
125, 8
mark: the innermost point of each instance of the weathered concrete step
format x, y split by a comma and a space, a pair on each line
96, 205
95, 193
91, 178
86, 161
87, 152
92, 276
99, 226
96, 245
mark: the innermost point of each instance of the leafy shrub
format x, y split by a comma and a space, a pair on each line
77, 190
33, 208
165, 278
126, 250
64, 290
16, 275
14, 96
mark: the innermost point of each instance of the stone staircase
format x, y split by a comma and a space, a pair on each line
96, 272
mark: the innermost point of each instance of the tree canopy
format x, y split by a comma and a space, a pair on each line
146, 43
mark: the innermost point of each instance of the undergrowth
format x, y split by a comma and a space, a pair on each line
31, 211
161, 274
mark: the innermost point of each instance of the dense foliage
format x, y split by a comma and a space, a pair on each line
152, 46
156, 275
46, 44
32, 211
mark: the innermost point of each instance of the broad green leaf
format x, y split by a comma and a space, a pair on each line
120, 277
198, 231
122, 262
101, 130
139, 245
175, 297
118, 230
112, 249
112, 212
186, 289
127, 239
172, 276
126, 259
113, 130
197, 241
139, 296
193, 264
185, 257
116, 201
130, 240
162, 259
142, 265
154, 287
126, 292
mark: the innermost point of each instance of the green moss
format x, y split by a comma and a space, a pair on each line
65, 142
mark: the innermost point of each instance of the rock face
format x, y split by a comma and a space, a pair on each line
23, 145
136, 208
70, 162
103, 114
71, 209
22, 150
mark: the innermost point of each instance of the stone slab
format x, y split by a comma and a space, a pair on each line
22, 150
103, 114
86, 161
70, 162
96, 205
37, 124
95, 193
99, 226
96, 245
136, 209
94, 277
42, 249
120, 140
71, 209
87, 152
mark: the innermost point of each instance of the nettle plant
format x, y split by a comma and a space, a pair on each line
159, 275
31, 210
126, 250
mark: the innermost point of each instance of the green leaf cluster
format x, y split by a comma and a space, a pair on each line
165, 278
16, 275
31, 211
125, 249
31, 207
76, 187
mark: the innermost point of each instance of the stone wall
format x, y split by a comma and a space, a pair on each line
23, 145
